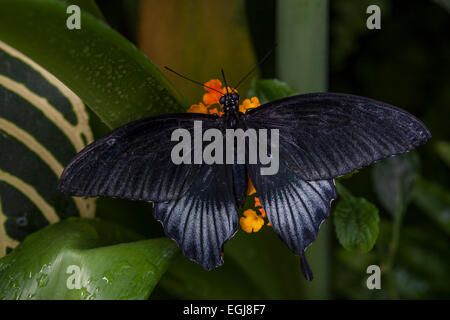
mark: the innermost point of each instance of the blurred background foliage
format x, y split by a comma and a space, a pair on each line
406, 199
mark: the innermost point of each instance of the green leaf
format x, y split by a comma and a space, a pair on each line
394, 179
84, 259
356, 223
42, 126
434, 200
269, 89
443, 149
105, 70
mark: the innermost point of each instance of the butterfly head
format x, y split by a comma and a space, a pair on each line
230, 102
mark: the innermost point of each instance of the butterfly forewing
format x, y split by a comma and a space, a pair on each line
134, 161
327, 135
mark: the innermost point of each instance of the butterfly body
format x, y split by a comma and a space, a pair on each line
230, 107
321, 136
230, 103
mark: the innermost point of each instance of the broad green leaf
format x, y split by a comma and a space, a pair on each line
197, 38
105, 70
394, 179
43, 125
84, 259
269, 89
356, 223
443, 149
434, 200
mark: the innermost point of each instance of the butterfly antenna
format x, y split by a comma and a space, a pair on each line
267, 55
191, 80
224, 80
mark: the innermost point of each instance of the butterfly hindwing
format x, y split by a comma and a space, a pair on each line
134, 161
205, 217
326, 135
295, 208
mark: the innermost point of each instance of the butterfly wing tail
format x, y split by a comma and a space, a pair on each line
305, 268
296, 208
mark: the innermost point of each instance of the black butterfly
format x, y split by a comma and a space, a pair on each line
321, 136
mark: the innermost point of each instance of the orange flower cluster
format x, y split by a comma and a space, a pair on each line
251, 221
210, 103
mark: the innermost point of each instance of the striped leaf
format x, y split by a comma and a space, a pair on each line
42, 126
